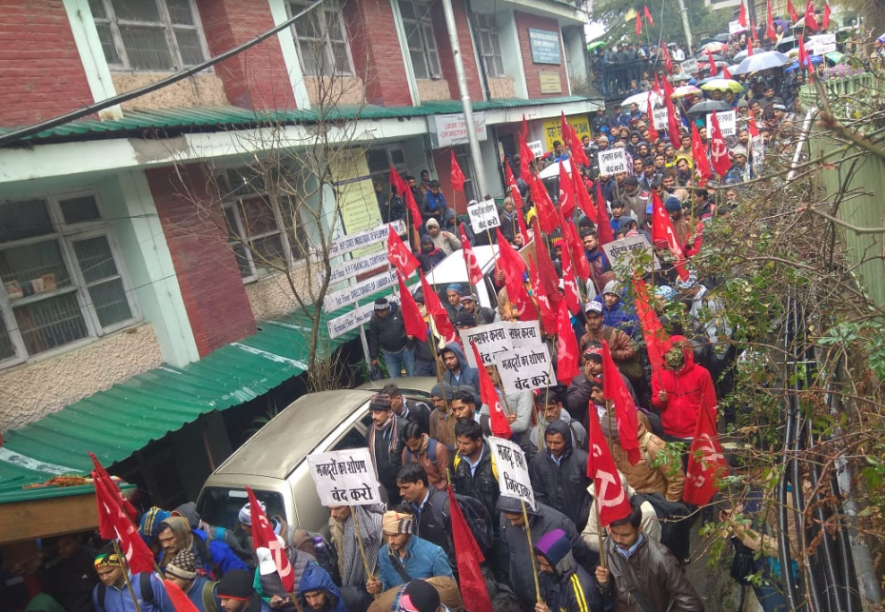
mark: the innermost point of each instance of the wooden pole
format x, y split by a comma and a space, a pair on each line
125, 568
359, 541
528, 533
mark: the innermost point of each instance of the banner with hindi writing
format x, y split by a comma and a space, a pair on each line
513, 470
489, 339
345, 477
484, 215
524, 333
525, 368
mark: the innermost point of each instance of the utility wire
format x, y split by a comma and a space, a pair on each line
31, 130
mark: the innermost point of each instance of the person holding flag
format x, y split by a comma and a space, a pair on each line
565, 585
680, 389
113, 593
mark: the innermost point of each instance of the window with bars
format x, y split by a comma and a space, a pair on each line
489, 45
264, 228
149, 34
321, 39
61, 276
420, 39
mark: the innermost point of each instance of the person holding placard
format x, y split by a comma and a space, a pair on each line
472, 471
344, 539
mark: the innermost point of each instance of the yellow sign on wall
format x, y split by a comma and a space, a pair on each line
553, 130
550, 82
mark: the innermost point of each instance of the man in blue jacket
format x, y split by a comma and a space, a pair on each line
182, 570
458, 372
113, 595
213, 559
318, 591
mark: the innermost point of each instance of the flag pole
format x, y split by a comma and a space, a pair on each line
528, 533
359, 541
599, 526
125, 563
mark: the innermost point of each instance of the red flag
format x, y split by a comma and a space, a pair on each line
673, 131
706, 464
399, 255
518, 204
468, 556
404, 190
437, 313
713, 71
638, 24
657, 86
565, 133
614, 389
604, 226
115, 523
662, 230
648, 15
457, 175
749, 47
566, 191
566, 346
742, 16
569, 282
546, 269
412, 319
668, 61
794, 16
576, 148
128, 508
718, 150
610, 495
526, 157
548, 316
770, 30
570, 235
726, 74
179, 600
810, 19
497, 419
804, 58
547, 216
513, 267
825, 21
474, 273
264, 537
652, 130
656, 338
582, 196
751, 123
700, 156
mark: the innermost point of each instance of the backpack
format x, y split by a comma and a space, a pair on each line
144, 587
208, 597
477, 518
431, 451
205, 555
675, 519
326, 554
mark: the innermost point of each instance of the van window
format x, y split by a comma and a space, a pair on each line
354, 438
220, 506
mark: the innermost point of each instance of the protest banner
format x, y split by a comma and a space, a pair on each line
513, 471
660, 118
821, 44
524, 333
489, 339
349, 295
612, 161
689, 66
727, 122
353, 319
345, 477
757, 150
525, 368
484, 216
349, 242
735, 27
352, 267
626, 248
536, 147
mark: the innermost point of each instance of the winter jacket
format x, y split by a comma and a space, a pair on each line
686, 389
447, 242
578, 398
579, 436
386, 447
650, 524
543, 520
622, 316
442, 427
482, 484
315, 578
562, 485
388, 334
120, 599
635, 203
666, 479
203, 589
417, 412
434, 205
435, 460
423, 560
467, 377
655, 573
619, 344
509, 224
431, 259
221, 559
575, 591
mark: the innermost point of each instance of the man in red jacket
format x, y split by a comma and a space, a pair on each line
680, 390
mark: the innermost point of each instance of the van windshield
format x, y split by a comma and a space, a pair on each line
220, 506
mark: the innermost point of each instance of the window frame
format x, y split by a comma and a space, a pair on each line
328, 42
124, 65
65, 235
429, 47
486, 24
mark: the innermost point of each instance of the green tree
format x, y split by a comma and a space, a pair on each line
668, 21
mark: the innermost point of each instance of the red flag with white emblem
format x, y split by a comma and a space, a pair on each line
526, 157
457, 175
437, 313
611, 498
513, 267
114, 523
399, 255
518, 204
264, 537
497, 419
569, 281
570, 235
566, 346
662, 230
413, 321
700, 156
547, 216
548, 314
474, 273
403, 189
718, 150
810, 18
794, 16
603, 227
566, 191
614, 389
656, 337
706, 463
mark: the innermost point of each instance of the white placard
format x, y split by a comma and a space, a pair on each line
727, 123
522, 369
483, 216
689, 66
489, 339
536, 147
821, 44
735, 27
660, 118
513, 471
625, 247
757, 149
345, 477
612, 161
524, 333
349, 295
448, 130
349, 242
343, 324
353, 267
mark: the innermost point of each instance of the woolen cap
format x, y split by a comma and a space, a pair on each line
379, 403
419, 596
235, 584
382, 304
183, 566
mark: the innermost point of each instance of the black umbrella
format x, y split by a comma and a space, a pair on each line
722, 37
708, 106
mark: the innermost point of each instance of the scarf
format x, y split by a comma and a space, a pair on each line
350, 563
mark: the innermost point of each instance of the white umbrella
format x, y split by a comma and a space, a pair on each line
761, 61
642, 99
552, 170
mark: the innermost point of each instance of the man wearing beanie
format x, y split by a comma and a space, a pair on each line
681, 225
442, 421
420, 596
566, 586
237, 594
385, 444
635, 200
182, 570
387, 338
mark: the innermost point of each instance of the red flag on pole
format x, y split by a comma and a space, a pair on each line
652, 131
264, 537
566, 191
566, 346
474, 273
569, 282
668, 61
702, 164
749, 46
518, 204
751, 123
468, 556
179, 600
577, 149
804, 58
770, 30
114, 523
582, 197
662, 230
404, 190
638, 25
548, 315
437, 313
825, 20
706, 464
127, 506
657, 86
547, 216
810, 18
610, 495
412, 319
718, 150
526, 157
570, 235
713, 71
497, 419
513, 267
399, 255
604, 226
656, 338
794, 16
546, 269
742, 16
726, 74
648, 15
457, 175
614, 389
673, 131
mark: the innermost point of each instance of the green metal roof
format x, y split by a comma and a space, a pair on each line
211, 117
115, 423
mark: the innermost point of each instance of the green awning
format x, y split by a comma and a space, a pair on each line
115, 423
